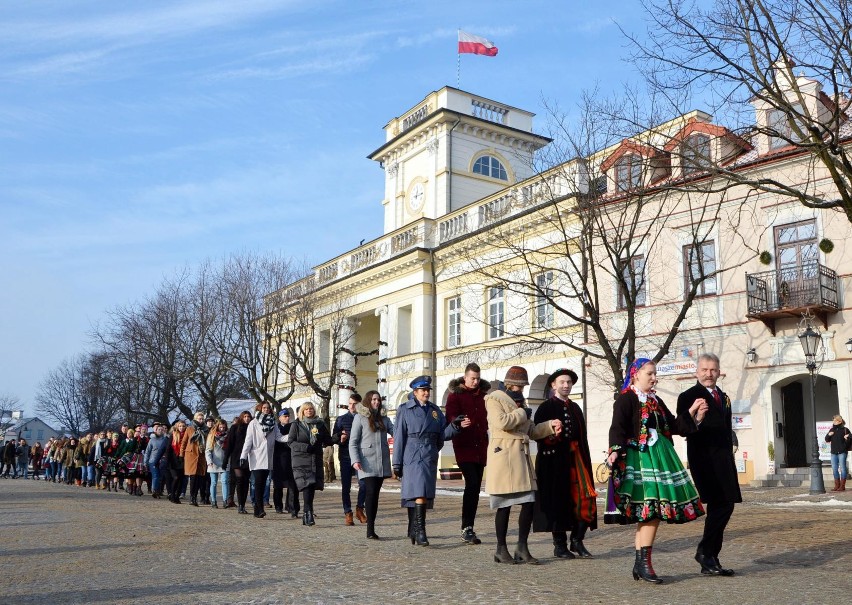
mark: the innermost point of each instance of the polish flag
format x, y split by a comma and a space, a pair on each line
468, 43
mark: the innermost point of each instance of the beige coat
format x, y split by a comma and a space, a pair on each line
510, 469
194, 462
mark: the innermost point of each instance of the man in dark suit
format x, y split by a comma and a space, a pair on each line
710, 453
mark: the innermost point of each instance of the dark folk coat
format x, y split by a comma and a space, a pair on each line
709, 450
554, 510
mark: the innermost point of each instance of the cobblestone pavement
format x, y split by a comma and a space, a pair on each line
63, 544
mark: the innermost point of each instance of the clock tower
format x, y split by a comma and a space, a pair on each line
450, 150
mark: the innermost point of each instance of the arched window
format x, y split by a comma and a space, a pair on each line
488, 165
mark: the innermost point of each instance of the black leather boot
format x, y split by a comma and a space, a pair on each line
411, 524
309, 518
420, 525
522, 554
642, 568
560, 548
577, 535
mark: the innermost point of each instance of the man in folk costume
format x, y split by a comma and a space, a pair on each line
710, 453
566, 492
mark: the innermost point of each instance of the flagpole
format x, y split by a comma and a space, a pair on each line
458, 63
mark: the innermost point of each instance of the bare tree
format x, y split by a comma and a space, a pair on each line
59, 396
574, 266
8, 404
790, 61
254, 326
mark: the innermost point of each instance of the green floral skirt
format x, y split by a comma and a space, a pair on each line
654, 485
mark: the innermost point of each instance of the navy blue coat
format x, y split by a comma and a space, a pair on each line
418, 436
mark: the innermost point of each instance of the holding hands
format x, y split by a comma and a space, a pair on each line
698, 409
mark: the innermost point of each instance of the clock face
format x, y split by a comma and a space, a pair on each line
416, 197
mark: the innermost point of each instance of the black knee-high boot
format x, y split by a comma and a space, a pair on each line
420, 525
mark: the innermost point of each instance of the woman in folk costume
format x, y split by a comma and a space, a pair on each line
650, 483
510, 477
566, 497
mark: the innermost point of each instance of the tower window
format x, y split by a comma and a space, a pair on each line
488, 165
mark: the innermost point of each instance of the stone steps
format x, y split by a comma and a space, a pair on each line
793, 477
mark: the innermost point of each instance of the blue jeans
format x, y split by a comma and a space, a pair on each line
346, 472
23, 470
156, 478
838, 465
214, 479
90, 473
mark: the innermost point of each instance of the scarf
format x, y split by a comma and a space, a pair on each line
199, 435
220, 437
266, 422
312, 424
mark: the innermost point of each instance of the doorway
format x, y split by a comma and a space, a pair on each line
795, 454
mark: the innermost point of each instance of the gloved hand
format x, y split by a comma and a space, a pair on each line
457, 422
397, 470
225, 465
529, 412
243, 462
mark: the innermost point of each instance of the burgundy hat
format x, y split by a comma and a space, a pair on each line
516, 376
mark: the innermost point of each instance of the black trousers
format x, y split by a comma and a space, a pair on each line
715, 522
472, 473
279, 482
260, 475
372, 488
196, 483
177, 483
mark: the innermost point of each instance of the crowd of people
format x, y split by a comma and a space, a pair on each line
491, 429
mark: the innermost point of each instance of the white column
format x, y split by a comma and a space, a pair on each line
346, 363
382, 366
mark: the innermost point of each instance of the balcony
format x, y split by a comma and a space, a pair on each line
791, 291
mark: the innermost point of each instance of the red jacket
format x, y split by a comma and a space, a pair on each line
471, 444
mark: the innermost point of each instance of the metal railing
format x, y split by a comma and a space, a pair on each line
806, 285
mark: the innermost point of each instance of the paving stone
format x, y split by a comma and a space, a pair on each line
64, 544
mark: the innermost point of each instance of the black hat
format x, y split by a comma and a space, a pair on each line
560, 372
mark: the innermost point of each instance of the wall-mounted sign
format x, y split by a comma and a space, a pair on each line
822, 429
741, 406
741, 421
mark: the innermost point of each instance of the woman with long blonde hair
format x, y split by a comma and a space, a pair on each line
306, 439
217, 462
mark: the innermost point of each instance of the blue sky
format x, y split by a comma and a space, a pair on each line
138, 138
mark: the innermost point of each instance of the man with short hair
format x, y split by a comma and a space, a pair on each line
155, 454
342, 429
466, 401
710, 453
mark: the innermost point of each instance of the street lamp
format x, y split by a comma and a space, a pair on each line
811, 345
849, 345
751, 355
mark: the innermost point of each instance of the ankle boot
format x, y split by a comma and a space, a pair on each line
522, 554
842, 487
420, 525
577, 545
502, 555
836, 485
560, 549
642, 567
309, 518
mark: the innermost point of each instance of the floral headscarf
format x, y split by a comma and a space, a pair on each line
631, 371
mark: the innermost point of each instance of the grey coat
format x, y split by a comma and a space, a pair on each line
370, 448
418, 437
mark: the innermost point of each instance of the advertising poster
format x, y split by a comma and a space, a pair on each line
822, 429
